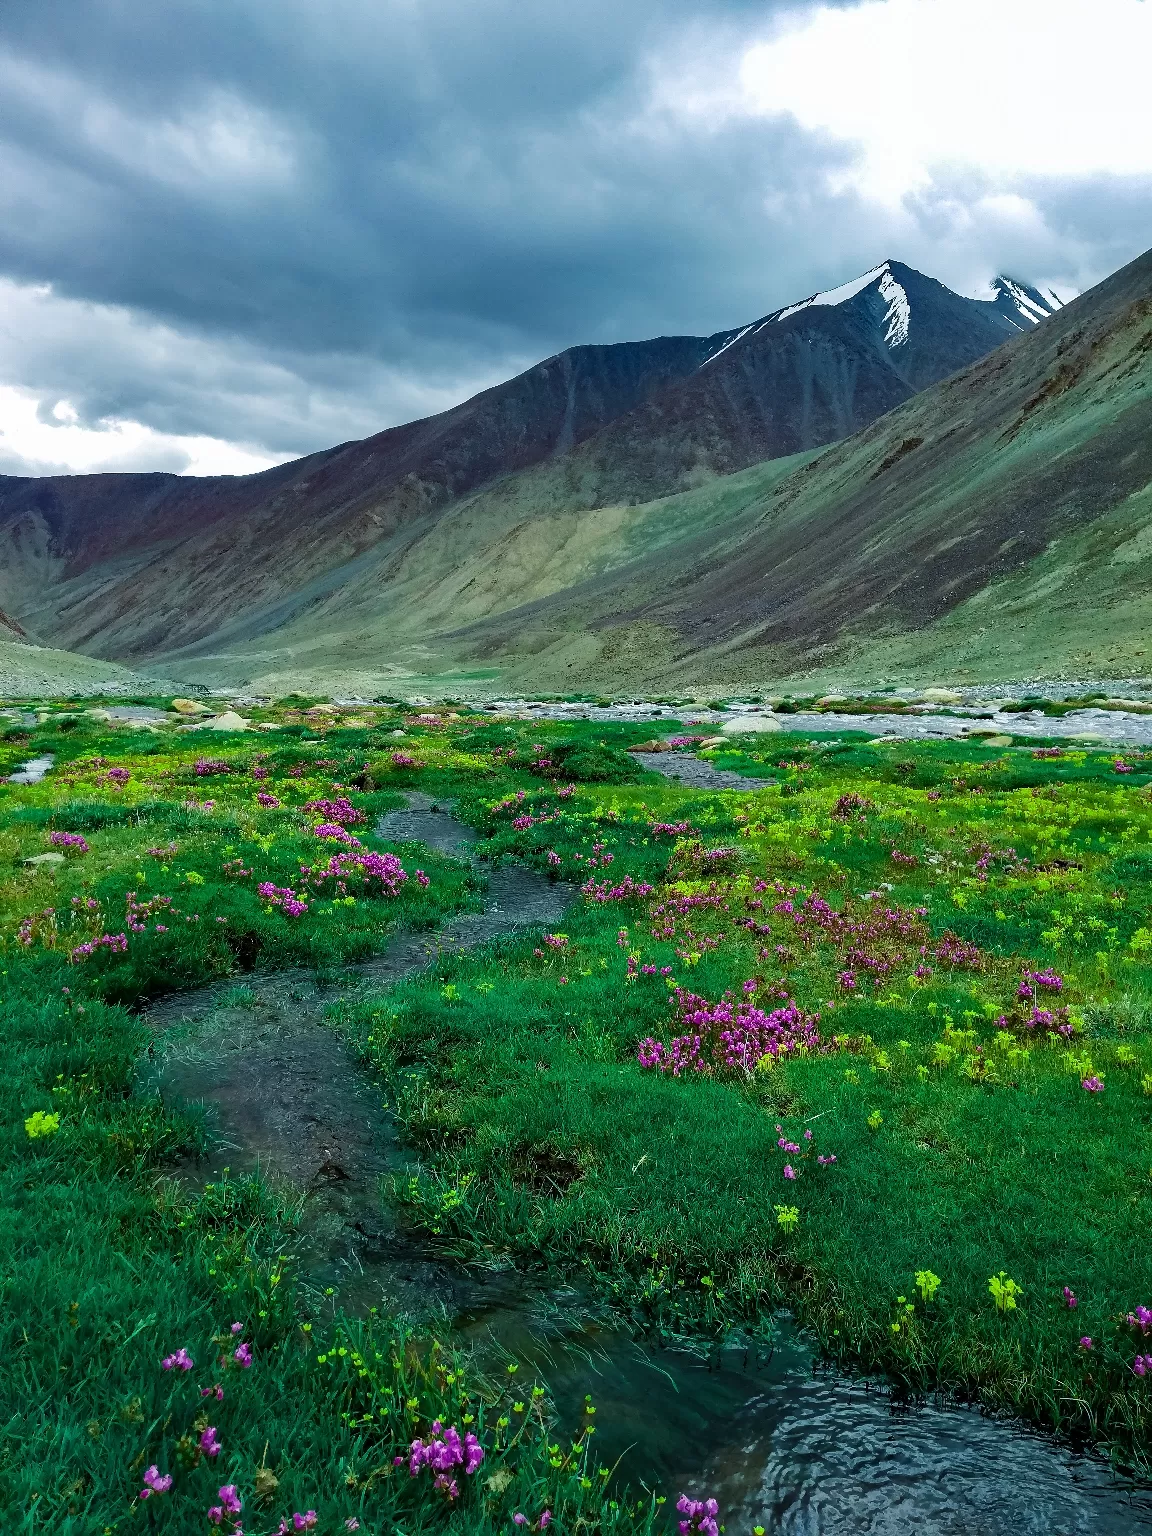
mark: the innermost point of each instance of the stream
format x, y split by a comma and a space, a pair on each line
778, 1441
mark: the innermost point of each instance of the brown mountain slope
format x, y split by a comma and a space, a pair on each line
134, 566
1006, 513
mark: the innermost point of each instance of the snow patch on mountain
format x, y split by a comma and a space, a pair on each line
899, 314
834, 296
1009, 294
731, 342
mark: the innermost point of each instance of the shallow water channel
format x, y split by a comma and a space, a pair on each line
779, 1442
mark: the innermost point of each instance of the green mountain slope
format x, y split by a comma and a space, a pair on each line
997, 524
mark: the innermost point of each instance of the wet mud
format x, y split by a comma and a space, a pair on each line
694, 773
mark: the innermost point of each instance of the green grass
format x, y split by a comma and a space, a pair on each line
961, 1148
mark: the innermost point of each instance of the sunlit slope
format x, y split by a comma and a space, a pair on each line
999, 523
516, 543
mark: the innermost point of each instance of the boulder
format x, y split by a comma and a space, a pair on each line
189, 707
747, 724
48, 859
228, 721
941, 696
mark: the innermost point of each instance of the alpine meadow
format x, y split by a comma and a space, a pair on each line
576, 768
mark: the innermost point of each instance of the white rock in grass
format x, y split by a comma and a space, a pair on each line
747, 724
45, 858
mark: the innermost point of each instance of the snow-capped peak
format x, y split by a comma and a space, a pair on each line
897, 319
1018, 301
834, 296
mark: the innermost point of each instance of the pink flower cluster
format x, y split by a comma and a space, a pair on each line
699, 1516
384, 868
737, 1035
627, 890
954, 951
71, 840
138, 913
335, 833
444, 1450
341, 811
283, 897
207, 766
116, 942
230, 1504
269, 802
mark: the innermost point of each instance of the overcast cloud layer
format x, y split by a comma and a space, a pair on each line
233, 231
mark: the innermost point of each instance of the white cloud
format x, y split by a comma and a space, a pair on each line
86, 387
1013, 88
37, 438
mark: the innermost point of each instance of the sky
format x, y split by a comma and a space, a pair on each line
236, 231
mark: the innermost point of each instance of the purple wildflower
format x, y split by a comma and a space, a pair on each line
179, 1360
154, 1483
210, 1441
700, 1516
243, 1355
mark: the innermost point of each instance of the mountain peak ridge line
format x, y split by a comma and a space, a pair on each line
137, 567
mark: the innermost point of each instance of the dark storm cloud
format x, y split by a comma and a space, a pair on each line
383, 197
291, 222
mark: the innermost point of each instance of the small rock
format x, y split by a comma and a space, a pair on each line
45, 858
98, 714
651, 746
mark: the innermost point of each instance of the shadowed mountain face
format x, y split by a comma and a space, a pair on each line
141, 566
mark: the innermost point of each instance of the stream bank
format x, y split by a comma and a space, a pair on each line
777, 1441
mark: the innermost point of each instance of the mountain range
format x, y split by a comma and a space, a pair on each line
632, 513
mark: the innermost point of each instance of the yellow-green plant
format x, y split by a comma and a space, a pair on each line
927, 1284
1004, 1292
41, 1124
